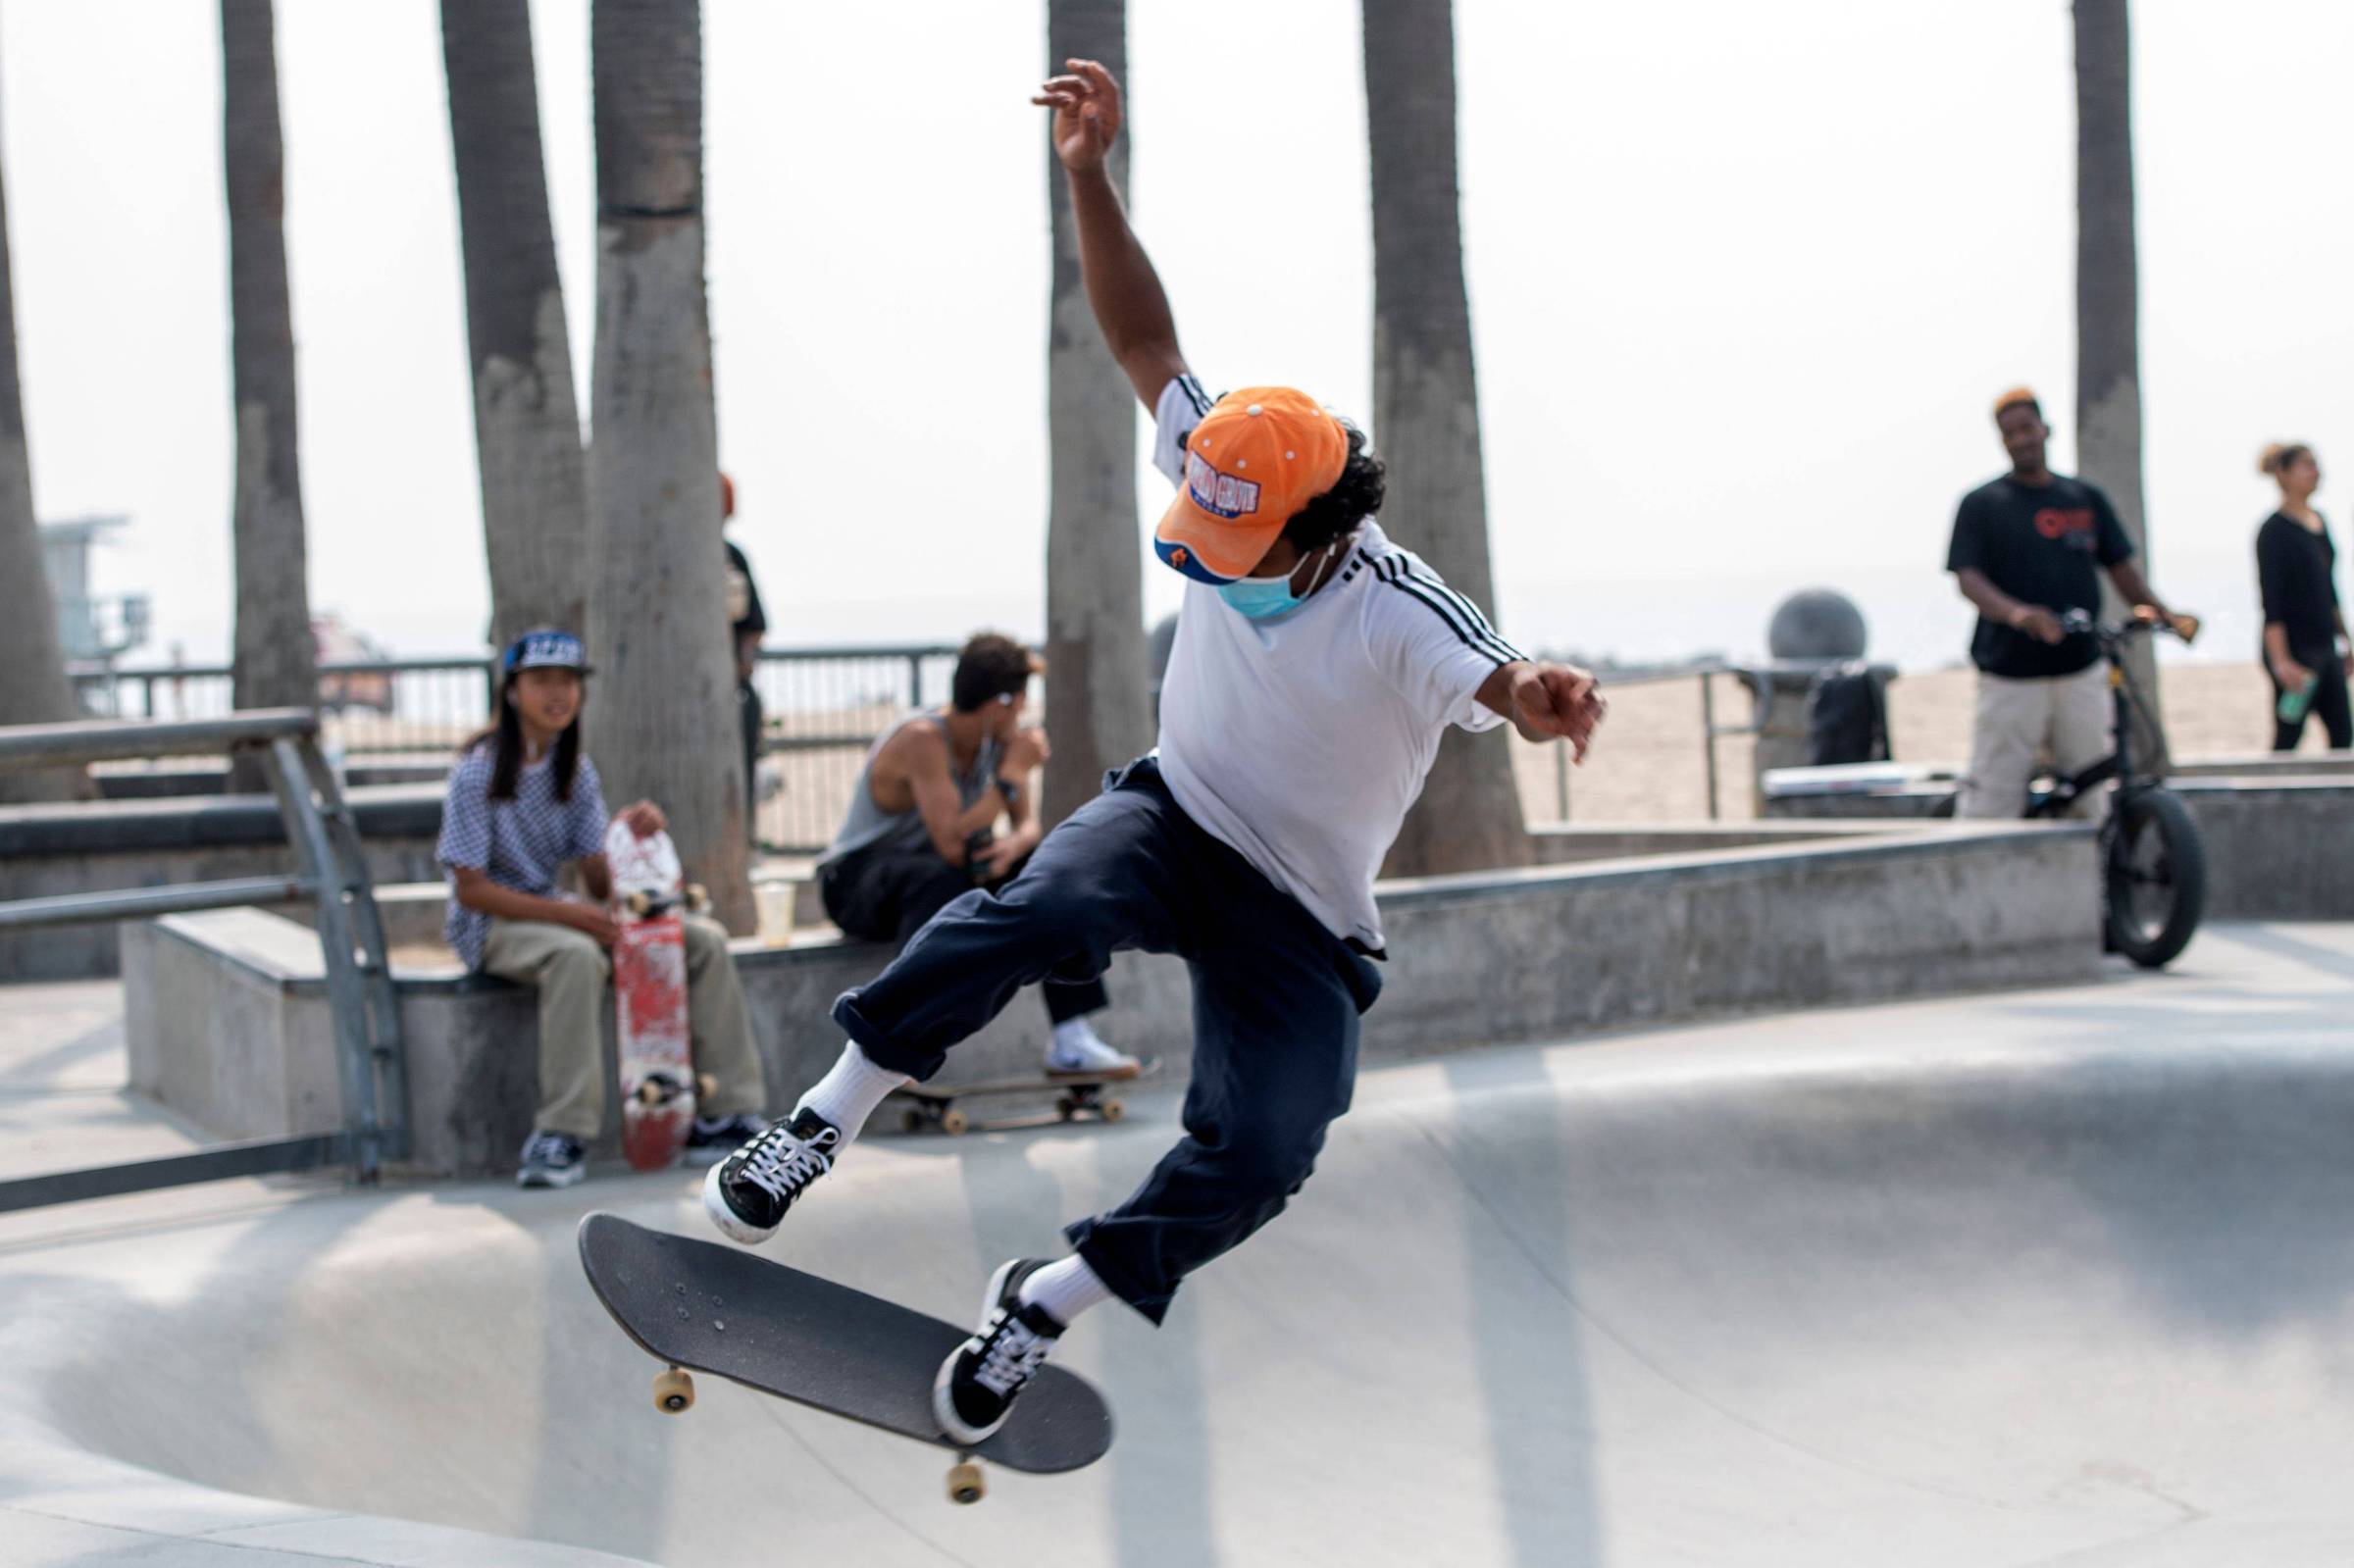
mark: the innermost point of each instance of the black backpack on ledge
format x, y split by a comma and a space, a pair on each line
1847, 718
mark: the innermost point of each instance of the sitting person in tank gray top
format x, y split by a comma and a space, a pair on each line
922, 828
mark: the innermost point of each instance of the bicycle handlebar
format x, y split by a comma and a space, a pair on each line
2080, 622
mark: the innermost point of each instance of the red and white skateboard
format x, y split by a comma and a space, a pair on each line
649, 996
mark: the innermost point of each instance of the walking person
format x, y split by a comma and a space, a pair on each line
2027, 548
2305, 648
1316, 667
522, 803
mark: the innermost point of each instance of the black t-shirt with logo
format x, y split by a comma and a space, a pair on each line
2041, 544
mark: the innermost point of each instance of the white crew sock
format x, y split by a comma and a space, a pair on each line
1065, 1289
848, 1093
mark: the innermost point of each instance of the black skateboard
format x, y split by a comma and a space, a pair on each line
1076, 1094
700, 1305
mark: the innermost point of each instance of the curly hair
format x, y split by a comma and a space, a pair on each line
1354, 497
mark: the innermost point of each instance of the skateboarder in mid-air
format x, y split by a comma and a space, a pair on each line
1315, 669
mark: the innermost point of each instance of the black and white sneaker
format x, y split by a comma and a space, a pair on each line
551, 1159
975, 1390
712, 1138
747, 1194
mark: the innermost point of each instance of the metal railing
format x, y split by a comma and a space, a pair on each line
823, 706
331, 872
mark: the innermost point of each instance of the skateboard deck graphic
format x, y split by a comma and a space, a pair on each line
1076, 1094
649, 998
702, 1307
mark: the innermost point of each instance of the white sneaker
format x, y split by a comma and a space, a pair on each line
1078, 1052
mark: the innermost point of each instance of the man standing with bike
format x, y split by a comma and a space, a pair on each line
2027, 548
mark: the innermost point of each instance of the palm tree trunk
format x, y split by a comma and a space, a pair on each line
1426, 403
275, 663
33, 688
534, 476
1100, 705
2107, 312
662, 719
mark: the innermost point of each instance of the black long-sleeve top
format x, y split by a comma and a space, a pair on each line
2296, 568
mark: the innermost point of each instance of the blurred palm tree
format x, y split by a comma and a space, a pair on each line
1426, 404
2107, 312
534, 475
275, 663
663, 721
33, 688
1099, 693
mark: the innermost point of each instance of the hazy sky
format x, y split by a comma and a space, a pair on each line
1743, 278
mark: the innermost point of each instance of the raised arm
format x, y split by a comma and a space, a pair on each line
1124, 291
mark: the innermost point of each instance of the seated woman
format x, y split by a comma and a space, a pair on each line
522, 803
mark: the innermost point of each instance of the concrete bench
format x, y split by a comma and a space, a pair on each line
227, 1011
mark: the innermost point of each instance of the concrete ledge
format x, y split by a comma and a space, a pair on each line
1572, 843
228, 1024
2280, 838
2275, 851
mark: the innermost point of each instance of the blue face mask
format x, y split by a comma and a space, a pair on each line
1265, 598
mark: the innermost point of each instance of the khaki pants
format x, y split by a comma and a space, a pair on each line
2069, 717
571, 971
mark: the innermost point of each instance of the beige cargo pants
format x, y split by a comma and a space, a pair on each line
2066, 717
571, 971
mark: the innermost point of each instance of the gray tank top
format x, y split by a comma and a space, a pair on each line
868, 824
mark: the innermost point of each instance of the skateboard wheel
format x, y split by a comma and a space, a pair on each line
1111, 1110
1066, 1106
649, 1093
965, 1484
953, 1120
673, 1391
698, 897
911, 1120
637, 903
705, 1084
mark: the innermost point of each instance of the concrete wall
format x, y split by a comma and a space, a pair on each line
1477, 959
2275, 851
2279, 831
50, 850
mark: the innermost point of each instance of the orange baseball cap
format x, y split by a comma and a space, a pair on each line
1257, 457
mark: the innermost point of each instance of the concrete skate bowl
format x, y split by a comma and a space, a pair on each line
1635, 1302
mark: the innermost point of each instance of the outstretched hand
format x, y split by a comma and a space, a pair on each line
1087, 113
1557, 701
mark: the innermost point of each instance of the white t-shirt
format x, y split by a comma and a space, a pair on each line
1299, 743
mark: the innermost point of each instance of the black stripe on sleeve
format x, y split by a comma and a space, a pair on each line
1478, 620
1439, 607
1457, 612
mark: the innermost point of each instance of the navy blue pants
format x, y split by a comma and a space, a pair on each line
1276, 1000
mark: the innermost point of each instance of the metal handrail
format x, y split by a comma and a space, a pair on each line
87, 740
332, 873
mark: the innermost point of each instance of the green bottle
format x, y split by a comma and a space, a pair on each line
2292, 704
